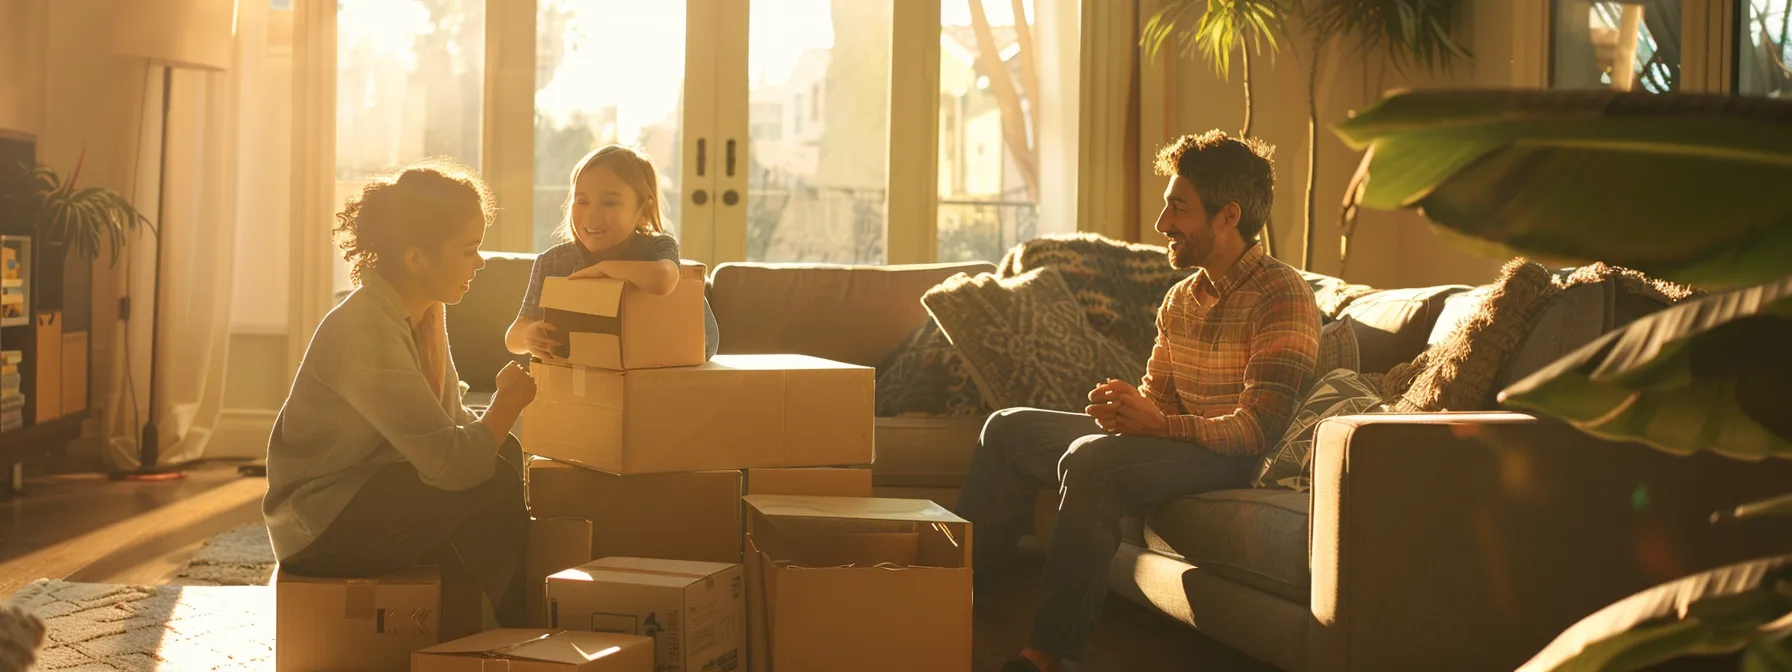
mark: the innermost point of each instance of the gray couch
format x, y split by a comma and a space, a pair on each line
1429, 542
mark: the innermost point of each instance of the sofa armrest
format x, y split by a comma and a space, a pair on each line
1468, 541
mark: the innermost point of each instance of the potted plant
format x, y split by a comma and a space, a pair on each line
81, 219
1690, 188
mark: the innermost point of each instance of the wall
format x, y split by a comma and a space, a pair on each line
1390, 249
81, 103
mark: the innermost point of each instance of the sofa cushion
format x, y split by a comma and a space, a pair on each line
477, 324
1333, 294
1026, 340
852, 314
1392, 325
1255, 537
931, 452
1338, 348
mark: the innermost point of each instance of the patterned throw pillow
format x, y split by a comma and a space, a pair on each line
1026, 340
925, 376
1340, 392
1338, 347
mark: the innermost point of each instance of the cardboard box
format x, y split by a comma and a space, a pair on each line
850, 583
49, 366
734, 412
355, 624
694, 611
538, 651
555, 544
817, 481
692, 516
611, 324
946, 497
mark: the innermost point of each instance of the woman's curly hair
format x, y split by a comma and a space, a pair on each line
415, 206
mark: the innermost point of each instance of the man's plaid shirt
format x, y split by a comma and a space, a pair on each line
1234, 354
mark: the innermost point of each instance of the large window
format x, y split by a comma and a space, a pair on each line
606, 72
988, 135
1764, 48
819, 85
1623, 46
410, 78
770, 121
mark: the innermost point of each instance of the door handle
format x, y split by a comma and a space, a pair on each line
702, 155
730, 158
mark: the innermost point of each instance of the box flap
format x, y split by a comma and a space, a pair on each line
645, 571
777, 363
592, 296
852, 508
574, 647
417, 575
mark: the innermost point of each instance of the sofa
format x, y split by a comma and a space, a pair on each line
1459, 541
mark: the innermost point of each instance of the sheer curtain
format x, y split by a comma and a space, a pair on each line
197, 252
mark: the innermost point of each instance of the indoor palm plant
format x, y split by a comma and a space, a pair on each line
1683, 187
81, 219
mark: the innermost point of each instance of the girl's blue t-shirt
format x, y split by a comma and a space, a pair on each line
570, 257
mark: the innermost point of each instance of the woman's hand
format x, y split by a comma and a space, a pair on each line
539, 339
593, 271
516, 388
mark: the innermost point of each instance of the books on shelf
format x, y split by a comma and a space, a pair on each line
13, 357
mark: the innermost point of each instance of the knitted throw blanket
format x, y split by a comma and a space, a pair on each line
1459, 373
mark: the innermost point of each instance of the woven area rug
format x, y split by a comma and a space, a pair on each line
216, 614
240, 557
96, 627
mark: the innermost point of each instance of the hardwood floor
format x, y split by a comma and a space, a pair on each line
1129, 638
84, 527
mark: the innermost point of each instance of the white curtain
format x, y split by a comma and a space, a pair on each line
197, 251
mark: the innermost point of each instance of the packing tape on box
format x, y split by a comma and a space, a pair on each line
360, 602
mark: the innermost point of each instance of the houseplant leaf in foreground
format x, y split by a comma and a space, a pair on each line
1725, 610
1709, 374
1690, 188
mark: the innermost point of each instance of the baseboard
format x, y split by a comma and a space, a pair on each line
242, 434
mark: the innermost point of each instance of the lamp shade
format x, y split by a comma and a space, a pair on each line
180, 33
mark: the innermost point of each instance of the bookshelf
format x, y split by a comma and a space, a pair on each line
46, 313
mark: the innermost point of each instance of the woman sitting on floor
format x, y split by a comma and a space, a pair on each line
374, 464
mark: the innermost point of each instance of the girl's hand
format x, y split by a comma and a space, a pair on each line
592, 271
538, 338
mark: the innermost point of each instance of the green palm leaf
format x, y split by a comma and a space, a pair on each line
1741, 608
83, 218
1710, 374
1686, 187
1225, 26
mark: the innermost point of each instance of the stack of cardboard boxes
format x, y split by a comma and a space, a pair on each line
641, 456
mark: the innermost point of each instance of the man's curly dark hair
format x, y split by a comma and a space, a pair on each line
1223, 170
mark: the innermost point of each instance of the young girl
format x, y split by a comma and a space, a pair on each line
611, 229
374, 464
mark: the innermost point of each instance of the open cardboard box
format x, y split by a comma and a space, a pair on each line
538, 651
734, 412
611, 324
839, 583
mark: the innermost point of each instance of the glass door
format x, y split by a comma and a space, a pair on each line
817, 75
610, 72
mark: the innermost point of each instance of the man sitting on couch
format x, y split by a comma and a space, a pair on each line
1236, 348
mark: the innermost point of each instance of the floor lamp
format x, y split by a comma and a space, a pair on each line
193, 34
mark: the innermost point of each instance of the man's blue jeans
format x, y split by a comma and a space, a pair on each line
1101, 478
